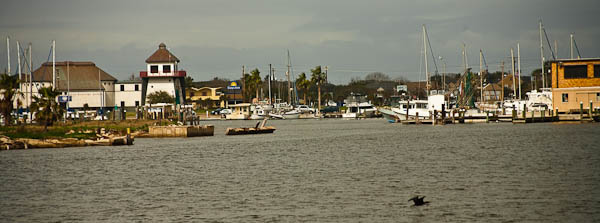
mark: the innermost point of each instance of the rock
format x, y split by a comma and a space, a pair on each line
70, 132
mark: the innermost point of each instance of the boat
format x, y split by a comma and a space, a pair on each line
358, 107
260, 128
418, 108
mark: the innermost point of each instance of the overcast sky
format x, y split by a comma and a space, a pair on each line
353, 38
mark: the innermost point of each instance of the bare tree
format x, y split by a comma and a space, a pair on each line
377, 76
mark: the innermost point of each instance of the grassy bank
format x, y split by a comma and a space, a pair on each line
81, 130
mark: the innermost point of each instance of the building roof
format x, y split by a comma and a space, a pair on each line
129, 82
162, 55
575, 60
80, 75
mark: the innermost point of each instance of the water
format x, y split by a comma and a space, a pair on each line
316, 171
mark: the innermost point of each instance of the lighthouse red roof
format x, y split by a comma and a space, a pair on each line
162, 55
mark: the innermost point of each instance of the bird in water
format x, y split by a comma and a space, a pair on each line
418, 201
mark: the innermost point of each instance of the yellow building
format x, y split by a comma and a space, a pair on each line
575, 81
199, 97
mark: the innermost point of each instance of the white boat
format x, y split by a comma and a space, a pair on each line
424, 108
359, 110
293, 114
260, 111
536, 101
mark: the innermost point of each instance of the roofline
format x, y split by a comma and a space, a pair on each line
575, 60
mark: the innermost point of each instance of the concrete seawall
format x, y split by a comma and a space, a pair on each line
181, 131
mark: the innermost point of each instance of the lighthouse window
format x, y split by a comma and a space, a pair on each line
166, 68
154, 69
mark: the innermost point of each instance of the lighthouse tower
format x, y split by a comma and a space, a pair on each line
162, 74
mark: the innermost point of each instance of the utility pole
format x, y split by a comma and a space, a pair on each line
243, 82
481, 77
514, 77
519, 58
556, 49
53, 64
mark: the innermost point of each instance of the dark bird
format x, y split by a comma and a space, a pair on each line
418, 201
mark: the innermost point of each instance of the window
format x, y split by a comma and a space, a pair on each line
579, 71
166, 68
154, 69
597, 96
137, 87
204, 93
137, 103
597, 70
191, 94
122, 104
122, 87
565, 97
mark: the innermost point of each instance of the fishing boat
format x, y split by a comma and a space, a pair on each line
358, 107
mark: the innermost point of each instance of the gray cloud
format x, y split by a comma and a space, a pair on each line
215, 38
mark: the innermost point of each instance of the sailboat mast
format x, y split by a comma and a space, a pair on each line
8, 54
519, 71
571, 45
287, 74
481, 76
542, 58
21, 85
512, 60
426, 67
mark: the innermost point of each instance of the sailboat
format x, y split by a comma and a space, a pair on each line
412, 109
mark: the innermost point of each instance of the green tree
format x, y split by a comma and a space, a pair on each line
303, 84
188, 82
319, 78
160, 97
8, 90
255, 80
47, 109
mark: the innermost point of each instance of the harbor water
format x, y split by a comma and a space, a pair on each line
316, 171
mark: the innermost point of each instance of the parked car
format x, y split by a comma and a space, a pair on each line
99, 117
216, 111
226, 111
305, 109
330, 109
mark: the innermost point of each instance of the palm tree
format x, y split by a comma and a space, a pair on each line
8, 90
255, 80
319, 78
303, 84
47, 109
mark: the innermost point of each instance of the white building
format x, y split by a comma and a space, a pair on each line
128, 94
83, 81
162, 74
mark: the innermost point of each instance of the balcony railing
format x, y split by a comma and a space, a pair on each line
179, 73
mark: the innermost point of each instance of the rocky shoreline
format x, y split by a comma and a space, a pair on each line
7, 143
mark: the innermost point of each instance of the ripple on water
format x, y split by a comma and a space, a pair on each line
316, 170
